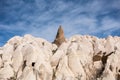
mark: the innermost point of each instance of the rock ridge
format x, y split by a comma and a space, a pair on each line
81, 57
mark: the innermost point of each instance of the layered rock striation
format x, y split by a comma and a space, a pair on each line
77, 58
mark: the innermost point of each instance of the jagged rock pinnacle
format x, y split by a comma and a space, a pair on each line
59, 37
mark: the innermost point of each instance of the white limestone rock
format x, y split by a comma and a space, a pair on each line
6, 72
79, 58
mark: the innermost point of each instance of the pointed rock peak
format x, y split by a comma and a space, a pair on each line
60, 28
60, 32
59, 37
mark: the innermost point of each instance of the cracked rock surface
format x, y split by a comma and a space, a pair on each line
78, 58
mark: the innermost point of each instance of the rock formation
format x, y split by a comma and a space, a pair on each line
59, 37
79, 58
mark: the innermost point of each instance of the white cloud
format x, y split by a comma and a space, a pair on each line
109, 23
46, 17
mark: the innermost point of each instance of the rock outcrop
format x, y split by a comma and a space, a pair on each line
59, 37
79, 58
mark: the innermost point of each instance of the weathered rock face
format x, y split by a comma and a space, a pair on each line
79, 58
59, 37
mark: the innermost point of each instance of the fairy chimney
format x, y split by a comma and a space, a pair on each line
59, 37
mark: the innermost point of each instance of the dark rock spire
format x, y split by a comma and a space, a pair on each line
59, 37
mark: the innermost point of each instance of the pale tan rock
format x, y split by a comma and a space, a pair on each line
28, 74
17, 59
61, 51
1, 62
73, 58
63, 71
7, 53
77, 58
109, 46
6, 72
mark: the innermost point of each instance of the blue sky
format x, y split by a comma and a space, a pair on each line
41, 18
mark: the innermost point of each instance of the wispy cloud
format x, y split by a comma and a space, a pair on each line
42, 17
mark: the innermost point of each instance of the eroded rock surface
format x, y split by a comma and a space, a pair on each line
78, 58
60, 38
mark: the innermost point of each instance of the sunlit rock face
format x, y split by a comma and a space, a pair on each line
60, 38
78, 58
